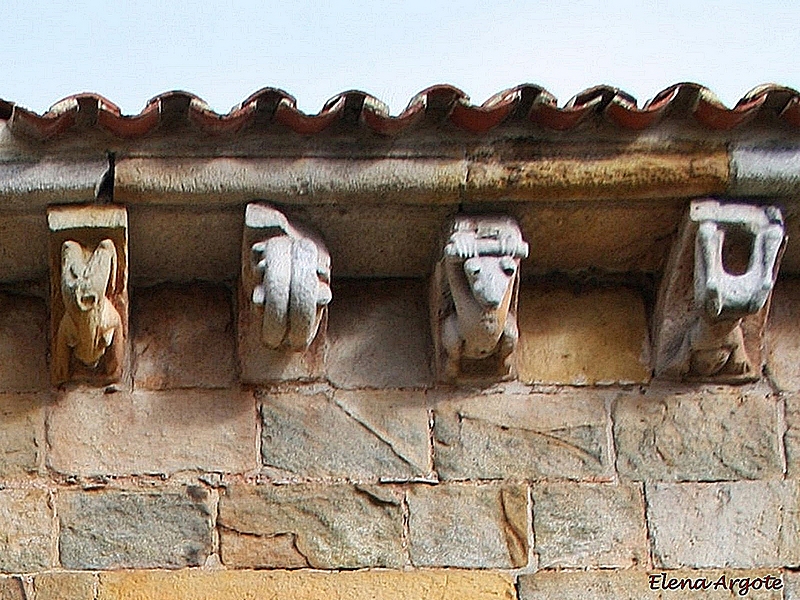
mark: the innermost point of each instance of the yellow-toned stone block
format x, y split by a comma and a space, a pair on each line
596, 336
197, 584
611, 173
65, 586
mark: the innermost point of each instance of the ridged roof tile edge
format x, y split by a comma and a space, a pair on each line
437, 103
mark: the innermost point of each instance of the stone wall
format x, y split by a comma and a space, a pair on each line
583, 479
585, 470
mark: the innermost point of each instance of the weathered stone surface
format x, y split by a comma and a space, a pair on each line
379, 335
791, 581
653, 585
23, 344
597, 336
587, 585
635, 174
185, 181
783, 335
747, 524
21, 433
65, 586
589, 525
183, 337
308, 525
621, 237
379, 240
398, 417
468, 526
705, 436
24, 255
193, 584
522, 437
26, 530
92, 433
180, 245
11, 589
121, 529
312, 436
791, 438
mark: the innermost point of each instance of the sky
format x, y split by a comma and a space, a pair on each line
224, 51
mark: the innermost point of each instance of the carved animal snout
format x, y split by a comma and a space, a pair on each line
86, 275
490, 278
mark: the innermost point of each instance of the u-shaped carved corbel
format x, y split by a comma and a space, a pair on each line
294, 271
712, 330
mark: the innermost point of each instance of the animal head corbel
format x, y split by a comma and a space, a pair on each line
88, 293
88, 277
713, 304
476, 284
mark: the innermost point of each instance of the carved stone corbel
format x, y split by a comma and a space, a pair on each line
88, 293
714, 298
474, 298
285, 292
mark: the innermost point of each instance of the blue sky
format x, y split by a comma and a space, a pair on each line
223, 51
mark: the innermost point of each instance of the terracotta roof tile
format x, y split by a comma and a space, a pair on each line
434, 105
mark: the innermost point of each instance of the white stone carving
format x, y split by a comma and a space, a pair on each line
711, 327
89, 293
294, 288
474, 297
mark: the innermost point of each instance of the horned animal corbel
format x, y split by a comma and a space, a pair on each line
91, 328
88, 292
710, 327
474, 297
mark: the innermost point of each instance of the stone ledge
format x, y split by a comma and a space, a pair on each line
305, 585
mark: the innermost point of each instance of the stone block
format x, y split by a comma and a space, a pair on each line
746, 524
21, 433
398, 417
783, 335
114, 529
181, 246
308, 525
589, 525
183, 337
516, 436
634, 174
626, 584
26, 531
23, 344
308, 435
707, 436
379, 335
195, 584
468, 526
611, 236
654, 585
596, 336
11, 589
791, 580
24, 235
65, 586
92, 433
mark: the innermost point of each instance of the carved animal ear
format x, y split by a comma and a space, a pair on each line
71, 253
103, 264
